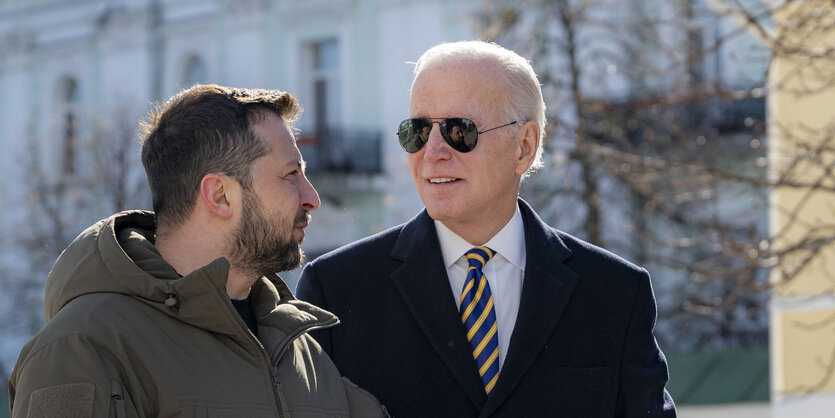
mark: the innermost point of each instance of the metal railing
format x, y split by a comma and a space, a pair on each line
342, 150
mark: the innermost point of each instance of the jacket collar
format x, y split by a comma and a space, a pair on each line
423, 284
117, 255
546, 290
281, 317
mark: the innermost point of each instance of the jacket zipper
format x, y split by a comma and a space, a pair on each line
313, 327
264, 354
274, 375
281, 349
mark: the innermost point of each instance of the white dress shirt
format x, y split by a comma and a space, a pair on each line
504, 272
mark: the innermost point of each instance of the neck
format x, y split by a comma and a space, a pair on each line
184, 250
187, 249
478, 231
239, 283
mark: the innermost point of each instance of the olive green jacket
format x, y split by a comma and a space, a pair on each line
126, 336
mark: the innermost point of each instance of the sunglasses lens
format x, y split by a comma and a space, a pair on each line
460, 133
413, 134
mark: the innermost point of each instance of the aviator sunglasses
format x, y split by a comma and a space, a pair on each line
460, 133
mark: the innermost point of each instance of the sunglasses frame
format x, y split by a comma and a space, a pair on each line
412, 137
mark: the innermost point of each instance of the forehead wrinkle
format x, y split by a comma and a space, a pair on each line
480, 79
419, 106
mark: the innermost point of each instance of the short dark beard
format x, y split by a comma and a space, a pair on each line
263, 245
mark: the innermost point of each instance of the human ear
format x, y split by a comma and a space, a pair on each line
528, 139
217, 191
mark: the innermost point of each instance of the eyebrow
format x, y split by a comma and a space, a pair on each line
302, 165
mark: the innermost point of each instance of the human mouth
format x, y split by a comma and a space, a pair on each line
298, 234
301, 222
302, 219
442, 180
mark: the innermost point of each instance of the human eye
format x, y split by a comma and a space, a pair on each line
292, 175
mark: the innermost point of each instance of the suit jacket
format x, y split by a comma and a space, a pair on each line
582, 345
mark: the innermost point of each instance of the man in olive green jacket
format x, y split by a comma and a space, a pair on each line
180, 312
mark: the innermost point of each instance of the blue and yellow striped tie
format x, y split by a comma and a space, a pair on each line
479, 317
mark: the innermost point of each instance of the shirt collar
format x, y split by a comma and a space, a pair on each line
509, 242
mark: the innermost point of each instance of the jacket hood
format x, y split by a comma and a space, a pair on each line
117, 255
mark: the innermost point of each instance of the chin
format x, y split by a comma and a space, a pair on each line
440, 213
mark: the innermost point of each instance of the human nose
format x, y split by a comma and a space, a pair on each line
436, 146
308, 197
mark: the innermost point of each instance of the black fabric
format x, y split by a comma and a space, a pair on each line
582, 345
244, 309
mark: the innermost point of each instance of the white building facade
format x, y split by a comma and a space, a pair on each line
69, 67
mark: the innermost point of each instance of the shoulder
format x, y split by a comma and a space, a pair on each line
605, 276
585, 258
84, 332
598, 270
95, 318
593, 256
363, 264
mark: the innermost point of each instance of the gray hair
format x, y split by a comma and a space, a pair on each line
523, 92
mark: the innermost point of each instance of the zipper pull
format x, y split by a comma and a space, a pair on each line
116, 394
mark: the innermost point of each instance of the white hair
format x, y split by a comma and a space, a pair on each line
523, 92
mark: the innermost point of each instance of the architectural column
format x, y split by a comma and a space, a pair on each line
802, 215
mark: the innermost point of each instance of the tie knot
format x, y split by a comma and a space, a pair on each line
479, 256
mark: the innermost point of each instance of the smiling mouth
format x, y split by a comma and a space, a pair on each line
442, 180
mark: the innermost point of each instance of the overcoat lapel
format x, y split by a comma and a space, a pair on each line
546, 290
424, 286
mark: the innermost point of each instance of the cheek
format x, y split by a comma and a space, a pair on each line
502, 159
287, 199
414, 162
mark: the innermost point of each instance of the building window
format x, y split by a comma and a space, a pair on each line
327, 142
325, 84
194, 71
70, 99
